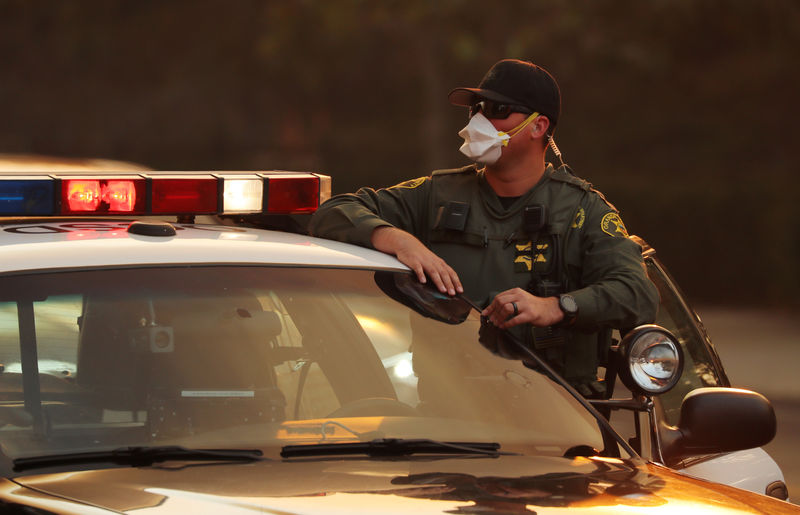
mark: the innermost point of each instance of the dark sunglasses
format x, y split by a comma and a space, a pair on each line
496, 110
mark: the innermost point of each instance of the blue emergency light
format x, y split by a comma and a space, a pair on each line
27, 197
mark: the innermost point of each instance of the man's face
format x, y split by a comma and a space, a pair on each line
518, 143
523, 137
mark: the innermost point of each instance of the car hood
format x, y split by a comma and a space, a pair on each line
508, 484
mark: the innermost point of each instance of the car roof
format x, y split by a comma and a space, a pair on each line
68, 244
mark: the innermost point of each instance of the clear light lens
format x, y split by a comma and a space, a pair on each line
654, 362
242, 195
324, 188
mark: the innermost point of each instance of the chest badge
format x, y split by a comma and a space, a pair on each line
524, 259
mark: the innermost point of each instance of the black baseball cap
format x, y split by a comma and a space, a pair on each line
512, 81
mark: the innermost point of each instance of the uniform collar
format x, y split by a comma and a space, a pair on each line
492, 201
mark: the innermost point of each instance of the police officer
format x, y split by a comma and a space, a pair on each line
546, 254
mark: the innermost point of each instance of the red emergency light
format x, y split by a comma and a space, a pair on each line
192, 195
120, 196
292, 194
111, 195
81, 195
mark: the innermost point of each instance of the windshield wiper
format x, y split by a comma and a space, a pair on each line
393, 447
138, 456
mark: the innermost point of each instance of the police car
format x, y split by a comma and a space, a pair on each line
154, 363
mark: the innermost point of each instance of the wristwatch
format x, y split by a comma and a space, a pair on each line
569, 307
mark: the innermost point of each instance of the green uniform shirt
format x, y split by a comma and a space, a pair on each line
491, 251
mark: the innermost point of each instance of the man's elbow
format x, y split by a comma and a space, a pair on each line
649, 300
329, 222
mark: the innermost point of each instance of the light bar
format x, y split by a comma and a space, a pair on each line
161, 193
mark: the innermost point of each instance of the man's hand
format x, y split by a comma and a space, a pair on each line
517, 306
419, 258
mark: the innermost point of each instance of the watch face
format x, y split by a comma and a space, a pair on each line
568, 304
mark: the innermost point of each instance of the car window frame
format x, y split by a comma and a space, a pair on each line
700, 337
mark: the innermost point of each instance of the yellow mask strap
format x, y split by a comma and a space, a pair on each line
513, 132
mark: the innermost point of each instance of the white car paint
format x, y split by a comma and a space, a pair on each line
56, 245
751, 469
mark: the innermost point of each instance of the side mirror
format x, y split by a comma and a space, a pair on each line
423, 298
717, 420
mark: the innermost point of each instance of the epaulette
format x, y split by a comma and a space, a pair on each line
604, 199
451, 171
565, 174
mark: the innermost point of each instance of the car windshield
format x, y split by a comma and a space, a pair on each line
261, 357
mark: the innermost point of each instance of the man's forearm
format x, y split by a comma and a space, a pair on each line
391, 240
419, 258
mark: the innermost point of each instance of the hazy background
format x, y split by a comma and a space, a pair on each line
683, 112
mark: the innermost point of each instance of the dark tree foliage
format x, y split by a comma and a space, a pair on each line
681, 111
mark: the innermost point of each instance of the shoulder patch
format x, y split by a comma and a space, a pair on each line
613, 226
410, 184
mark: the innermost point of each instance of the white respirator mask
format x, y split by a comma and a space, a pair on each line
483, 143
